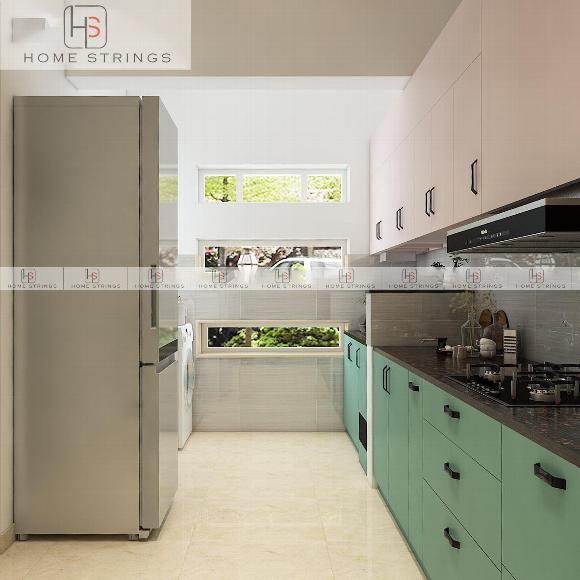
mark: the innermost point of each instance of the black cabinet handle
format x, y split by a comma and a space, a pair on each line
356, 358
397, 220
386, 370
378, 230
431, 210
348, 347
413, 387
449, 411
427, 203
452, 542
474, 178
401, 218
551, 480
452, 474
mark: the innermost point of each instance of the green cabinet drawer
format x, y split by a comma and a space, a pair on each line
415, 463
442, 561
360, 371
350, 394
477, 434
466, 488
380, 433
541, 523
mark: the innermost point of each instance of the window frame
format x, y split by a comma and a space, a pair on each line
204, 351
238, 171
203, 243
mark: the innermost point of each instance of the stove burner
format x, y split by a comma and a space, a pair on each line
543, 384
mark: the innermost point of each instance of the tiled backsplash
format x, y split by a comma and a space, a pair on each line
548, 320
271, 394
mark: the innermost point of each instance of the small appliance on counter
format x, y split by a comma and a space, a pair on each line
533, 385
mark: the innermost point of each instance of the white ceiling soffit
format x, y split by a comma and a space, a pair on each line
313, 37
152, 85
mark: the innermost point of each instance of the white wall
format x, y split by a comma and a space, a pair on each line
269, 121
11, 84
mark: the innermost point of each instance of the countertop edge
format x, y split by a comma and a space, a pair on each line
356, 335
474, 400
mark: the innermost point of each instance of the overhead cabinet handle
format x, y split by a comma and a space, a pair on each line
431, 210
413, 387
452, 474
474, 178
401, 218
551, 480
452, 542
449, 411
427, 193
397, 220
378, 233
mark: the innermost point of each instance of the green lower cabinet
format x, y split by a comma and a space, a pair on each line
380, 423
415, 464
360, 370
540, 520
350, 395
398, 444
449, 552
466, 488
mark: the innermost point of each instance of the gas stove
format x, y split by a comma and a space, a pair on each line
533, 385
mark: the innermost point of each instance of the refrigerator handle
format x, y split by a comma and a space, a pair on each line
153, 304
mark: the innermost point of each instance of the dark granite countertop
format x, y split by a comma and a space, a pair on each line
357, 335
556, 429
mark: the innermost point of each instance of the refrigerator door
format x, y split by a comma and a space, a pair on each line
76, 353
159, 425
159, 194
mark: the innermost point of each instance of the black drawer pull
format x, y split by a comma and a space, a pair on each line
386, 370
348, 347
452, 474
449, 411
413, 387
357, 358
453, 543
551, 480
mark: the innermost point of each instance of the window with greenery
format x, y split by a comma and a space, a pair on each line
289, 255
168, 188
274, 184
254, 337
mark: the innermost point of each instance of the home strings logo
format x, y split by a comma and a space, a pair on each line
85, 26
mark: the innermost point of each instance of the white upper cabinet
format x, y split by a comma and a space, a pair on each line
467, 162
440, 198
531, 97
422, 176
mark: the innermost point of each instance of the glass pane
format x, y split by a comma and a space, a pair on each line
271, 188
275, 257
168, 188
220, 188
324, 188
274, 337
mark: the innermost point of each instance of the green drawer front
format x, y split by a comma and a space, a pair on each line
350, 395
541, 524
440, 560
415, 464
474, 498
474, 432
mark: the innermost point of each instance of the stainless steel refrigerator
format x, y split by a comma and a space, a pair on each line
95, 373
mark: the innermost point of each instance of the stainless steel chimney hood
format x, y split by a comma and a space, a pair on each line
546, 225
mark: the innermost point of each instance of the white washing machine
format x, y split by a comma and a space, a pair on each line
186, 381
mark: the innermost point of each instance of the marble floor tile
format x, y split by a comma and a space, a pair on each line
249, 506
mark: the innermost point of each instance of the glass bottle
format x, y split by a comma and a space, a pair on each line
471, 332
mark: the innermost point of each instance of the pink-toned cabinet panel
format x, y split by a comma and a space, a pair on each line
531, 96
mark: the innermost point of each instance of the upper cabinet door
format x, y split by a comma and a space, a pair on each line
440, 198
378, 207
422, 182
467, 163
531, 91
404, 191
